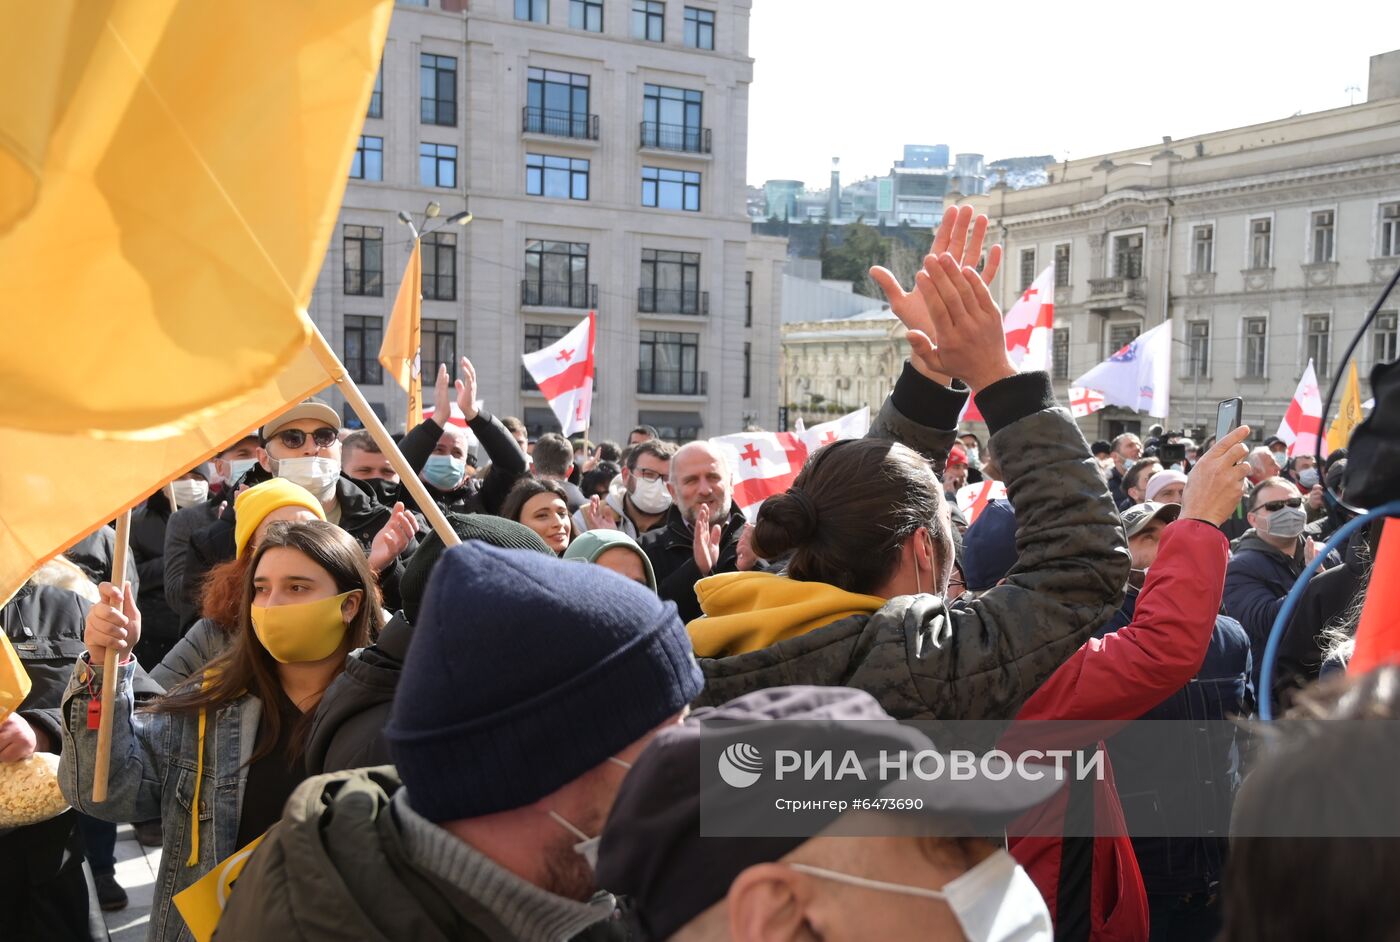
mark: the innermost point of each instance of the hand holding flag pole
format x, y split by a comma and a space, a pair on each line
109, 670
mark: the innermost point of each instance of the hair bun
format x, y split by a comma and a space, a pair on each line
785, 521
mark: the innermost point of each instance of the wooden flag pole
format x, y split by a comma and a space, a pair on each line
409, 478
109, 671
170, 496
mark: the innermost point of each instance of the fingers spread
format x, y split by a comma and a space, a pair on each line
989, 271
944, 235
888, 283
959, 239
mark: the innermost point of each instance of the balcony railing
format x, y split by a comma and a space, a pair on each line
673, 301
676, 137
673, 382
559, 123
558, 294
1115, 287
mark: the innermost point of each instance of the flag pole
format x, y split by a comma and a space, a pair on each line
109, 671
336, 370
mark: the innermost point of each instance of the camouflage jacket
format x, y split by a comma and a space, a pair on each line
979, 659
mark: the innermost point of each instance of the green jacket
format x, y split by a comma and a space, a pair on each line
978, 660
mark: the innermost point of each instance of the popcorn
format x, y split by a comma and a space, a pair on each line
29, 791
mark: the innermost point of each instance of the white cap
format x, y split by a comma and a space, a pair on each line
1163, 480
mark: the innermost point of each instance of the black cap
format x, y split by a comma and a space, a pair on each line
651, 850
1138, 516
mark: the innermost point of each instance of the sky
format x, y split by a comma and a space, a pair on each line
1017, 78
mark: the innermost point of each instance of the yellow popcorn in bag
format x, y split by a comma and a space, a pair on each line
29, 791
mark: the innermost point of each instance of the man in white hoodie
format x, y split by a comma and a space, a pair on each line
638, 500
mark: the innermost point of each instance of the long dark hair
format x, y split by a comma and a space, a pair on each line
527, 488
247, 667
849, 512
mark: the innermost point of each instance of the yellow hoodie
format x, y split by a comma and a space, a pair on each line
746, 611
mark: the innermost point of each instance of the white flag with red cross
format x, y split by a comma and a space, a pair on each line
1302, 423
972, 499
564, 373
1083, 401
1029, 328
766, 463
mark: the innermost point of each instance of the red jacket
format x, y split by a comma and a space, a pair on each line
1117, 678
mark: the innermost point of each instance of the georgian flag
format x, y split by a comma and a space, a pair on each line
1084, 402
564, 373
972, 499
1030, 328
766, 463
1302, 423
1138, 376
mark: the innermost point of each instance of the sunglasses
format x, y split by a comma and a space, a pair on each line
324, 437
1274, 506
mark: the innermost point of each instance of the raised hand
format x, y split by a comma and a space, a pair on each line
967, 323
391, 539
1216, 483
748, 559
113, 622
598, 515
466, 391
707, 541
442, 396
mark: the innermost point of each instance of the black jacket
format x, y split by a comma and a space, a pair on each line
507, 466
1256, 582
160, 624
1328, 595
347, 731
671, 549
93, 555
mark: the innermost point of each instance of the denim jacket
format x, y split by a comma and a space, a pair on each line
152, 774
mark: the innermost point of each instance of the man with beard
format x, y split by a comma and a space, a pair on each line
640, 505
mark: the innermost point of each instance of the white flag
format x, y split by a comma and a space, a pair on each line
564, 372
1302, 423
1138, 376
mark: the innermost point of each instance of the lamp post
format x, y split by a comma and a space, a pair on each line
430, 212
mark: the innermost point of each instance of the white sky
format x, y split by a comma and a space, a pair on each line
1014, 78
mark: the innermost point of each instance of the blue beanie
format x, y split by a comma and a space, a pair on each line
989, 546
525, 672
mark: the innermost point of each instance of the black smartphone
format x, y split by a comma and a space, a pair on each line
1227, 417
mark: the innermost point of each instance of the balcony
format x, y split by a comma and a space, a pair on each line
672, 383
673, 301
677, 137
558, 294
1116, 287
583, 127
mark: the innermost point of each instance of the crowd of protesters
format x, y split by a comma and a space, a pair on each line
502, 739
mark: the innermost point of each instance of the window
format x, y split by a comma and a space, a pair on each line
1127, 255
699, 28
1202, 250
437, 84
559, 177
748, 369
368, 162
532, 11
1059, 353
648, 20
437, 165
537, 337
363, 338
1390, 229
671, 283
678, 427
586, 15
364, 261
376, 97
1198, 344
1062, 265
1119, 336
556, 274
1383, 341
1323, 229
748, 299
669, 363
1316, 342
440, 267
671, 119
1256, 346
671, 189
1261, 243
1027, 268
557, 103
439, 345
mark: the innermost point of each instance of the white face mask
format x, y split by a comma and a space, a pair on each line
239, 467
190, 491
317, 475
587, 847
1308, 478
651, 497
995, 901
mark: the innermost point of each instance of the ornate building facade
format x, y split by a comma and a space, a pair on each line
831, 367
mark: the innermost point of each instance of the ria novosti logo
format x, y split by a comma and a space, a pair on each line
740, 765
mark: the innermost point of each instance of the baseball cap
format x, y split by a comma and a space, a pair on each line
1163, 480
1138, 516
309, 409
651, 849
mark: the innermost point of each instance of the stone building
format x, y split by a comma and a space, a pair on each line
834, 366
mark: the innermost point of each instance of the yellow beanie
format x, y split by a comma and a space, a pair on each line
253, 505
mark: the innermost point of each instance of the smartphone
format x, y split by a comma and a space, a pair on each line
1227, 417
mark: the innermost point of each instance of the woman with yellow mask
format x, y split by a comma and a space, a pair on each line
218, 756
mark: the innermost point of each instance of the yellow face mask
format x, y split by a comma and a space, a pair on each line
308, 631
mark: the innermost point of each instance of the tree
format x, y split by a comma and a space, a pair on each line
861, 248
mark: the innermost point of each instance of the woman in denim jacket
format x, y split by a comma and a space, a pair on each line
217, 757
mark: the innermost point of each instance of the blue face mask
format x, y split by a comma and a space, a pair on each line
444, 472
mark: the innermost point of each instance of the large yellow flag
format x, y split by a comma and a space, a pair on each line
171, 176
399, 353
1348, 414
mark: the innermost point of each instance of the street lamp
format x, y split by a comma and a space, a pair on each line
430, 212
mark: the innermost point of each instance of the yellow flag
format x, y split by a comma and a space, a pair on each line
399, 353
171, 175
202, 903
1348, 414
14, 679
